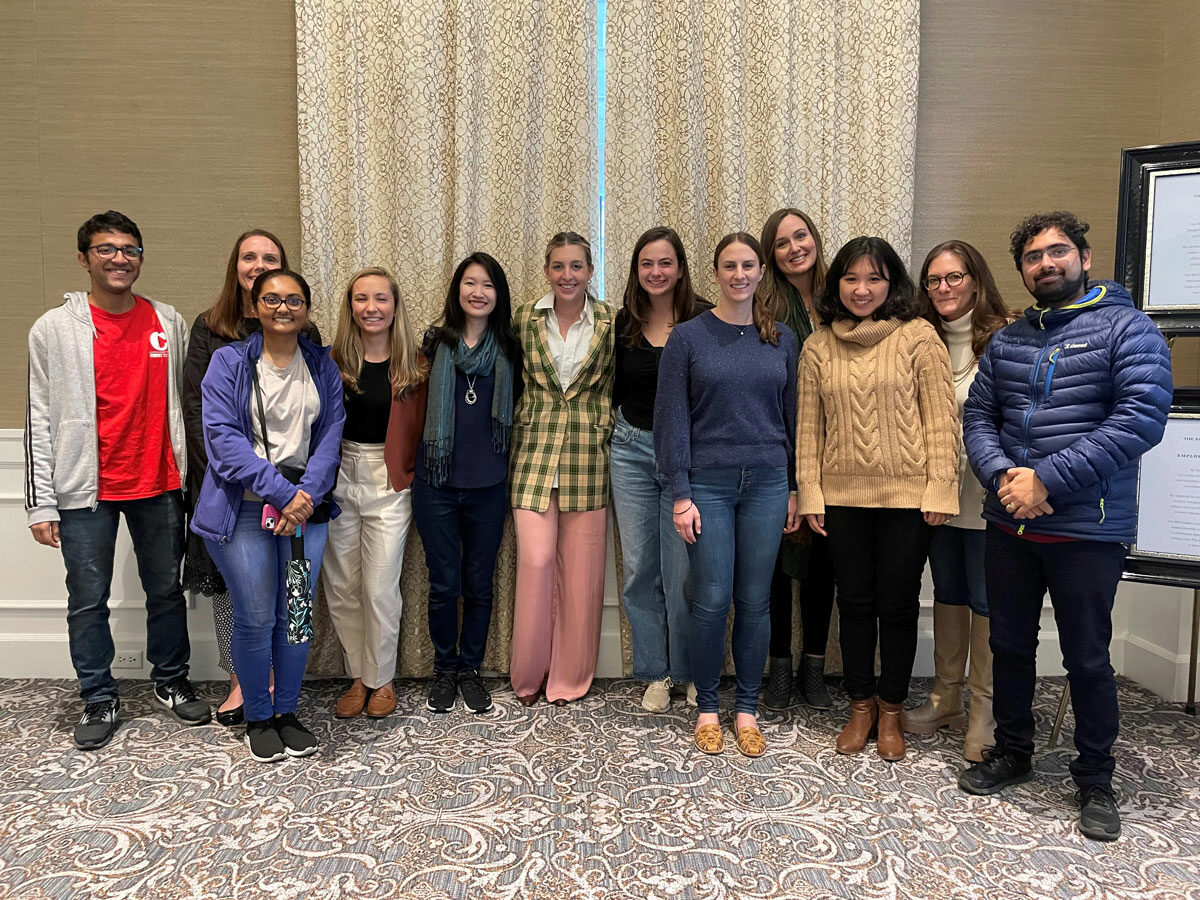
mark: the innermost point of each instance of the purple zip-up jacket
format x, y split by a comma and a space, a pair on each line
233, 466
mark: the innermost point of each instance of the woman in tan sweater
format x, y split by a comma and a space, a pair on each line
877, 467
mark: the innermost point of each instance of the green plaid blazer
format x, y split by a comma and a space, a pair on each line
562, 430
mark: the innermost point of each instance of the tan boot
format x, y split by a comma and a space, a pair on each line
351, 703
862, 721
890, 743
944, 709
981, 732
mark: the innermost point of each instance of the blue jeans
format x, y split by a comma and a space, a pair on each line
254, 563
1082, 578
89, 539
654, 559
956, 562
460, 529
742, 513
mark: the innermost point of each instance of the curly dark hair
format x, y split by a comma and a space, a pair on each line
1068, 223
903, 301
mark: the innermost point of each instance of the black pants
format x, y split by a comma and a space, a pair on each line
878, 557
816, 602
1082, 578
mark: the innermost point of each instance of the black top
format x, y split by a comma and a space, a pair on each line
474, 463
367, 413
635, 384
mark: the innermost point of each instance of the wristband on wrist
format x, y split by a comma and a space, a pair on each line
685, 509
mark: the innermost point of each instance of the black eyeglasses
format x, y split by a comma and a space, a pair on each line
272, 301
952, 279
1058, 251
108, 251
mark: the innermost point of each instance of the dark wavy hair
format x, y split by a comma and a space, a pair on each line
988, 312
637, 301
454, 318
763, 320
903, 301
106, 221
1068, 223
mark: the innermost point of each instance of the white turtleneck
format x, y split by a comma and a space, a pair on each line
964, 365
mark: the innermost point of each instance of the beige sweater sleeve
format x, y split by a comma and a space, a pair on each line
939, 420
810, 433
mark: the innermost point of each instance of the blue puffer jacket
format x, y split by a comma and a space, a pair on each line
233, 466
1077, 394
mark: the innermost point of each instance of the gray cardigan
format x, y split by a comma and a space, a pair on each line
61, 464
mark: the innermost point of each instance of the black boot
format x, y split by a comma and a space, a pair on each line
810, 678
777, 694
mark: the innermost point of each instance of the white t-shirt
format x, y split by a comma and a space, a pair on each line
291, 402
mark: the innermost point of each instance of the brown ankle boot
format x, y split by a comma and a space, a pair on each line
890, 743
862, 720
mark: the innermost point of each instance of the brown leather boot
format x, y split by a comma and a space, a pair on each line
862, 721
981, 732
382, 702
890, 743
944, 708
351, 703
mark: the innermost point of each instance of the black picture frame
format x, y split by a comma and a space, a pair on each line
1139, 166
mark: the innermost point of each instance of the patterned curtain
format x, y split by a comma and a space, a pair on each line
721, 111
429, 129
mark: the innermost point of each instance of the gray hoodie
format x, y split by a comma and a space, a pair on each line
61, 464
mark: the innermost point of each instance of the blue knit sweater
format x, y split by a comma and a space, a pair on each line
725, 399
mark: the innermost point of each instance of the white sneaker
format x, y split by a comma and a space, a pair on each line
691, 694
658, 696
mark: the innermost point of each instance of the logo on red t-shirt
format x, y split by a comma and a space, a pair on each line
158, 344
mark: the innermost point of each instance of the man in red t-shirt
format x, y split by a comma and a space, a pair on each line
104, 438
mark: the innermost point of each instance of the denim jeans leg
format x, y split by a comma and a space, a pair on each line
290, 660
974, 554
481, 521
761, 513
436, 515
89, 539
715, 493
636, 499
676, 585
156, 527
948, 566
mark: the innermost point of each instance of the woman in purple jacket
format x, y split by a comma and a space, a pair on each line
273, 421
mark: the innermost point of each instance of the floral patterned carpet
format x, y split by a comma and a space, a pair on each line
594, 800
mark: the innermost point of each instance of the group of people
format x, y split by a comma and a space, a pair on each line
806, 430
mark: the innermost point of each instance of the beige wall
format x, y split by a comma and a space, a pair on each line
183, 116
180, 115
1181, 71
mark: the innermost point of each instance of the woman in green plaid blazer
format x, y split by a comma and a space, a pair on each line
559, 478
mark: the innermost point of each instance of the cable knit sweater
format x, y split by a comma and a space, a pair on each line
877, 423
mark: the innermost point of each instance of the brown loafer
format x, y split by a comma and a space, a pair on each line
750, 741
351, 703
709, 739
382, 702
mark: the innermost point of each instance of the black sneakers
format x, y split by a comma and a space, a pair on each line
1098, 815
264, 741
995, 773
96, 726
442, 690
180, 698
473, 691
297, 740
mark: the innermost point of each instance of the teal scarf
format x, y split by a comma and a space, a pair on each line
439, 411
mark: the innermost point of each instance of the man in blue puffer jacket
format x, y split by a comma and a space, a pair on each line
1066, 400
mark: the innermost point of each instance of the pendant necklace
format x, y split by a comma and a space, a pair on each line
470, 396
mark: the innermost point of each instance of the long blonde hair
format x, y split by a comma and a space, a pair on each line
407, 369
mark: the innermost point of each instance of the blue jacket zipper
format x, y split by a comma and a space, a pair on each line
1050, 372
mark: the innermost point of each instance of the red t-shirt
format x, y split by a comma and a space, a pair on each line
132, 427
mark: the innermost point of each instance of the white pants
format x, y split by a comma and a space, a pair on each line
362, 563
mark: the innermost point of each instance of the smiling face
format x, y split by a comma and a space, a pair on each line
658, 269
282, 320
256, 254
738, 273
864, 288
568, 273
951, 301
117, 274
1054, 269
372, 304
795, 248
476, 293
